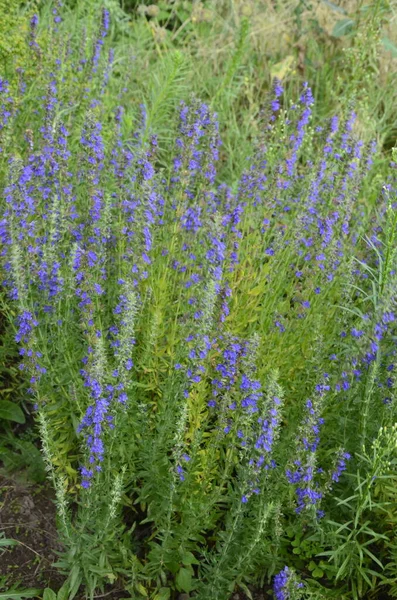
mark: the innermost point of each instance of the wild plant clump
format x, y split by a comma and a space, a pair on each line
211, 364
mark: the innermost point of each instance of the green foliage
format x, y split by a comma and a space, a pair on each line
11, 412
20, 455
62, 594
12, 387
14, 592
14, 32
140, 525
18, 594
235, 61
166, 84
6, 543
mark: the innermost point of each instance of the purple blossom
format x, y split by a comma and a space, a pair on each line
284, 582
340, 466
277, 90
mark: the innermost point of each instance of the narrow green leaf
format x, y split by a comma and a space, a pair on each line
371, 555
8, 542
63, 593
335, 7
18, 594
246, 590
343, 27
75, 580
141, 589
342, 568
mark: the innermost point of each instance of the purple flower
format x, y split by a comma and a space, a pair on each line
277, 90
284, 583
34, 21
340, 466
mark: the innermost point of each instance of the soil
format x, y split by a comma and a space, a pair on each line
27, 514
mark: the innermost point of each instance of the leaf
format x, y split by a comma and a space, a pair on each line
189, 559
343, 27
14, 594
335, 7
163, 15
282, 68
246, 590
49, 594
390, 47
63, 592
23, 455
317, 573
8, 542
184, 580
141, 589
163, 594
371, 555
259, 289
75, 579
11, 411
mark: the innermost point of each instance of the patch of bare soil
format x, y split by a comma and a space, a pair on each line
27, 514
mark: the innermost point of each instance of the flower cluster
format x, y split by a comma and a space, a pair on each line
285, 584
304, 469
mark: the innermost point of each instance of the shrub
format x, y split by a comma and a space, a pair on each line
211, 364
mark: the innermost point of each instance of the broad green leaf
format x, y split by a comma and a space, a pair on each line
189, 559
11, 411
163, 15
343, 27
318, 573
49, 594
184, 580
163, 594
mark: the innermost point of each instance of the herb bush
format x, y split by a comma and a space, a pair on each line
211, 364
